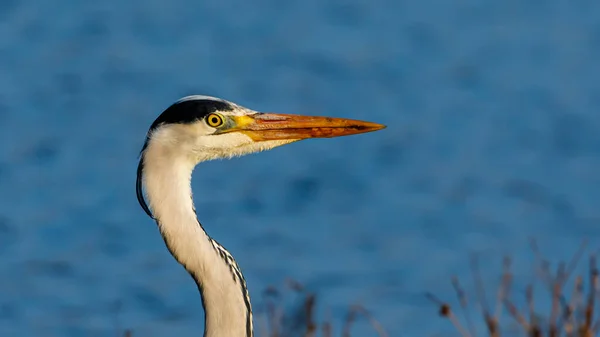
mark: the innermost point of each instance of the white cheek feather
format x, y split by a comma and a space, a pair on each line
233, 144
197, 143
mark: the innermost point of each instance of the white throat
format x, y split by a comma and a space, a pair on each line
167, 175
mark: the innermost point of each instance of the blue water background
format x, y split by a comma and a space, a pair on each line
493, 115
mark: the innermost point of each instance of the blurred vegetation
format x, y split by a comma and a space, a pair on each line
302, 321
570, 315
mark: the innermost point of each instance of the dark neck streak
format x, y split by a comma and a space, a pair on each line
236, 274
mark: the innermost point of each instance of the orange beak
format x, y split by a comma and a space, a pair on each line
272, 126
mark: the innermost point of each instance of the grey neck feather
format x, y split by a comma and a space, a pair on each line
222, 286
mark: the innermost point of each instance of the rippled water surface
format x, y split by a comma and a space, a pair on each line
493, 135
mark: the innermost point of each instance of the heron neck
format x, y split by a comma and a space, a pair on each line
222, 287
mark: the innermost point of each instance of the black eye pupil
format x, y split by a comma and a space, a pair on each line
214, 120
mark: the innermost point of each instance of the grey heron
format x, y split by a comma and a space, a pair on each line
200, 128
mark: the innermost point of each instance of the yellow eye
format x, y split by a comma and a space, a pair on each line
214, 120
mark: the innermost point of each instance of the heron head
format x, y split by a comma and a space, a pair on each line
201, 128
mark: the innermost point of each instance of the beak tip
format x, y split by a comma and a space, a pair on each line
377, 126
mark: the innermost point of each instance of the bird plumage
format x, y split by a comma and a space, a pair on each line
200, 128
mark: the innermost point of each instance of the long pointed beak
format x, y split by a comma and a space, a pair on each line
273, 126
